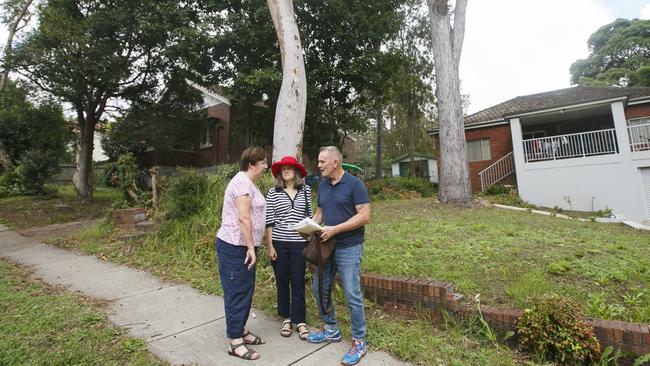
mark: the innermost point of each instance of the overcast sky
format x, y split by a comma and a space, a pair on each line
521, 47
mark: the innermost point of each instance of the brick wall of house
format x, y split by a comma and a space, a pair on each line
219, 152
637, 111
500, 145
168, 158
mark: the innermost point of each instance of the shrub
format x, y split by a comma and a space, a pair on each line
400, 188
553, 329
496, 189
34, 169
9, 184
185, 194
132, 182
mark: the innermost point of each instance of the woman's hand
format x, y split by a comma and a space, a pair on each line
250, 258
271, 253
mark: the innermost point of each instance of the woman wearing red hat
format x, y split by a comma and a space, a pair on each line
286, 204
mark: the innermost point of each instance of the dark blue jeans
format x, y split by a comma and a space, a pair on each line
238, 284
289, 269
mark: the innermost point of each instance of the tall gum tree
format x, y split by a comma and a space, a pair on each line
18, 17
292, 101
447, 44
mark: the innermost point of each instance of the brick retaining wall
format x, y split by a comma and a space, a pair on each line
406, 296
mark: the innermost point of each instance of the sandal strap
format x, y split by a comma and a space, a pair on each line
304, 328
256, 340
248, 355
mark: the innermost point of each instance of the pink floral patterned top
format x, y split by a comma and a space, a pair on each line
229, 231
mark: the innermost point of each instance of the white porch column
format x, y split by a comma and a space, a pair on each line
517, 148
620, 125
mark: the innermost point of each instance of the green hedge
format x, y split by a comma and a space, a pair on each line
400, 188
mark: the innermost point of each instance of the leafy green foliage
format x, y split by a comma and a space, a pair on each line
553, 328
25, 125
619, 55
399, 188
131, 182
34, 169
185, 194
497, 189
172, 121
93, 53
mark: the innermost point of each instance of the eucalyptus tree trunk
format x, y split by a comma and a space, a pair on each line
5, 160
380, 128
454, 183
292, 101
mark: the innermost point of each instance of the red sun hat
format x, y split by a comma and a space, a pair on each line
287, 160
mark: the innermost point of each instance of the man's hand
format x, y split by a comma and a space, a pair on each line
250, 258
328, 232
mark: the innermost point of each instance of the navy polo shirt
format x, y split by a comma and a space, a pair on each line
337, 206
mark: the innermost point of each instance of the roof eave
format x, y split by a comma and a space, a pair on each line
566, 107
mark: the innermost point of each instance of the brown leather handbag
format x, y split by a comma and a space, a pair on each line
318, 253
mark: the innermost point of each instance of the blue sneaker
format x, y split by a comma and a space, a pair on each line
357, 350
325, 335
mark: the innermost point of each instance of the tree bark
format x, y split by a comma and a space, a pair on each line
292, 101
5, 160
13, 28
380, 128
82, 177
454, 184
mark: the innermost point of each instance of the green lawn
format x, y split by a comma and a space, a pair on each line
44, 325
184, 253
507, 256
22, 212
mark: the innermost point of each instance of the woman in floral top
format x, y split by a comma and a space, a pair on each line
242, 226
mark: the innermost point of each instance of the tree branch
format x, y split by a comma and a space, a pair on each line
13, 28
458, 33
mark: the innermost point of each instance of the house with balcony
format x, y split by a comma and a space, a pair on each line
580, 148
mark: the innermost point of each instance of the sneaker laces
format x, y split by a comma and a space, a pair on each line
355, 347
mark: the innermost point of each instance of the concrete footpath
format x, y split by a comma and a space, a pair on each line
178, 323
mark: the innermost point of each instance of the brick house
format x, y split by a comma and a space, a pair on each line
580, 148
228, 133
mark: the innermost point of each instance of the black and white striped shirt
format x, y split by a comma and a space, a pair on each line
283, 212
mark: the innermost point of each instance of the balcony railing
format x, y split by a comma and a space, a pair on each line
575, 145
639, 137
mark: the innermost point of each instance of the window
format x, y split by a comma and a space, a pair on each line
638, 131
639, 121
478, 150
421, 168
533, 134
207, 136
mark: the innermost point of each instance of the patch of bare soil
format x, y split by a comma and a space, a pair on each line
56, 230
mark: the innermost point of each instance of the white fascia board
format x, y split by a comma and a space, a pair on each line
219, 98
568, 107
494, 122
642, 100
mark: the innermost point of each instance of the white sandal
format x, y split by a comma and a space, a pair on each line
304, 333
285, 331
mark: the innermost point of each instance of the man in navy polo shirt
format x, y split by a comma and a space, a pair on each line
344, 208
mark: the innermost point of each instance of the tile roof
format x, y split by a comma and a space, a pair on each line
554, 99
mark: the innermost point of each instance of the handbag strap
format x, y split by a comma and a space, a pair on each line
307, 213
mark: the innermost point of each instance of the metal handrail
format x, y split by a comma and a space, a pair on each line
497, 170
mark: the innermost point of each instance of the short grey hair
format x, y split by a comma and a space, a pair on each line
333, 150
